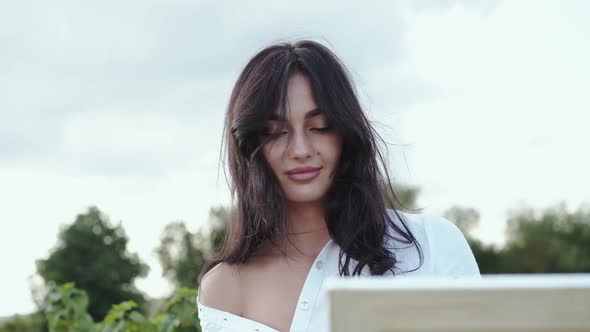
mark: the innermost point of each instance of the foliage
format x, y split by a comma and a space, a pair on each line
93, 254
67, 312
124, 317
549, 241
180, 312
182, 254
553, 241
488, 257
32, 323
219, 219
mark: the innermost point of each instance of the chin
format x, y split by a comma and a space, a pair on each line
305, 196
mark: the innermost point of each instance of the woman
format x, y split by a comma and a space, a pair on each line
310, 199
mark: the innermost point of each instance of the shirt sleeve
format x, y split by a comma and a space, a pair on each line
451, 254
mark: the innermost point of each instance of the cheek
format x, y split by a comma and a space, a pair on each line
272, 155
331, 148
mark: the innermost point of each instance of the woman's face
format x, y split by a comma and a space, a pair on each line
307, 151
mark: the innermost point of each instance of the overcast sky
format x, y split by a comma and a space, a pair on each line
120, 105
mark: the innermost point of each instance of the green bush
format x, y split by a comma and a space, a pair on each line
31, 323
67, 312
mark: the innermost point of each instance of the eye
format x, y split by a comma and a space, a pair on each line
322, 130
274, 133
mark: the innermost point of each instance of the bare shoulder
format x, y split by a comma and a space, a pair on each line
220, 288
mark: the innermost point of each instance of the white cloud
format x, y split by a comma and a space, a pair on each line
507, 123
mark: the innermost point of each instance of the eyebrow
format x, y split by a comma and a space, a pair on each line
309, 114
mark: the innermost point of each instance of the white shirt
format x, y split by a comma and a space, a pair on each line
445, 250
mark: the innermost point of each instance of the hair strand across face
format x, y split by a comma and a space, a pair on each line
355, 205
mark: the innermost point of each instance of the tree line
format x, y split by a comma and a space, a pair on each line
89, 274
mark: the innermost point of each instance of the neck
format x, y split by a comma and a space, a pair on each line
304, 218
307, 230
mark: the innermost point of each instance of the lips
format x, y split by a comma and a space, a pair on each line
302, 174
302, 170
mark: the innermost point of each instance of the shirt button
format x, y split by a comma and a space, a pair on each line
304, 305
319, 265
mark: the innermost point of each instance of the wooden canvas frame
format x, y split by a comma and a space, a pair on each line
494, 303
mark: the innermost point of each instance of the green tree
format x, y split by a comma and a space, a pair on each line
551, 241
182, 253
488, 257
219, 219
93, 254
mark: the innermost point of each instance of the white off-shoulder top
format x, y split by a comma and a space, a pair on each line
446, 253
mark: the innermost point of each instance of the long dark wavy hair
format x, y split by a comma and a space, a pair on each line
355, 208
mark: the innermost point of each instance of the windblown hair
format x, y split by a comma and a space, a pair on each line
355, 209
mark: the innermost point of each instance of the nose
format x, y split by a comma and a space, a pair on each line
299, 146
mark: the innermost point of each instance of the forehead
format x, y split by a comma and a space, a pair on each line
306, 115
300, 99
